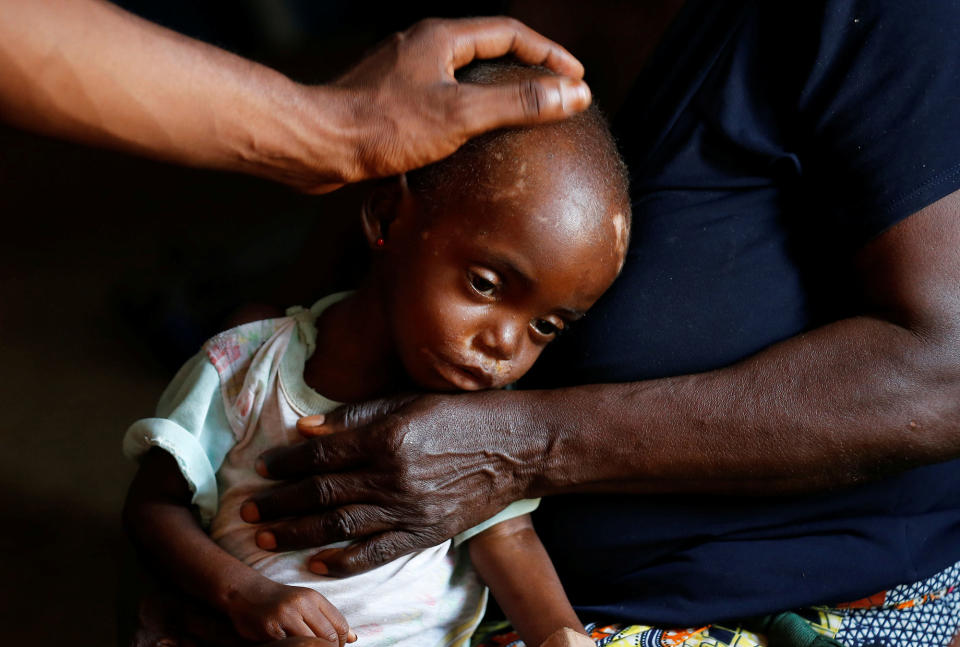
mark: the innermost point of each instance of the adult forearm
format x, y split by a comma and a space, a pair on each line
844, 403
89, 71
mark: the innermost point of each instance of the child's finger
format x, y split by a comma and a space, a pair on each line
298, 627
328, 623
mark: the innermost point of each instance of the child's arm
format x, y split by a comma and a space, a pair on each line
157, 515
513, 563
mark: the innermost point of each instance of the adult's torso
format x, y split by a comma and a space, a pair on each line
767, 143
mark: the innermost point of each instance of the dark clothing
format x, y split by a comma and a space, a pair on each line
767, 143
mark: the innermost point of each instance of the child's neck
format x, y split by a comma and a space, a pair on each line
354, 357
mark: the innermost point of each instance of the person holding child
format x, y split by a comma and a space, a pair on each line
482, 259
763, 413
772, 421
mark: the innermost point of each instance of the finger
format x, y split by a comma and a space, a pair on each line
332, 453
321, 189
498, 36
307, 496
299, 627
523, 102
351, 416
339, 524
366, 554
326, 621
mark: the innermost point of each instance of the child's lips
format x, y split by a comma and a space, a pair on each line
461, 376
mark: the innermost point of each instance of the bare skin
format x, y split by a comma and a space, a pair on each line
90, 71
465, 293
866, 396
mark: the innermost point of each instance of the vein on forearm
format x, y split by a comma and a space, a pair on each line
844, 403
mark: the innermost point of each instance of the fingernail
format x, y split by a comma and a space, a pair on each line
249, 512
261, 468
319, 568
351, 637
576, 95
266, 540
312, 421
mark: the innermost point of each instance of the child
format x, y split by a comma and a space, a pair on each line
480, 261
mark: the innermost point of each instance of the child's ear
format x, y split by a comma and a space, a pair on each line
386, 202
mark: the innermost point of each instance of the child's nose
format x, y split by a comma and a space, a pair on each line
501, 339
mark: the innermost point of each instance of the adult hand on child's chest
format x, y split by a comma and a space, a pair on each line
395, 475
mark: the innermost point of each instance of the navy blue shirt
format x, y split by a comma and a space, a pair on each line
767, 143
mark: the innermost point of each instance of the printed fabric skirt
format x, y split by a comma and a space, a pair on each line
923, 614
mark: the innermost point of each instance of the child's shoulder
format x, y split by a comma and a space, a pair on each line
232, 350
240, 343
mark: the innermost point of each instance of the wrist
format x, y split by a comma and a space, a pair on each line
231, 586
554, 421
532, 421
300, 135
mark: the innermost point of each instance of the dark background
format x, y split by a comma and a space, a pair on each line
113, 270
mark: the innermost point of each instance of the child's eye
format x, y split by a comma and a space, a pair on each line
547, 328
483, 285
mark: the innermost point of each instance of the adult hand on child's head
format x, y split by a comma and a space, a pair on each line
395, 475
407, 109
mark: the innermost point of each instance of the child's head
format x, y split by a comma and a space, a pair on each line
485, 257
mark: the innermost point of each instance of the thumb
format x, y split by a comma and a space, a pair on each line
351, 416
520, 103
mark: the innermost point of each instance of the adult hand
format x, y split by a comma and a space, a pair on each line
408, 109
395, 475
90, 71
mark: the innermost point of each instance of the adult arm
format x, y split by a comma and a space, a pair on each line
841, 404
90, 71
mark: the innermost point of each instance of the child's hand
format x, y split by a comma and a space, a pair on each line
266, 610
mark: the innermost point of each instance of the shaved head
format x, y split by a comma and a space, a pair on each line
503, 164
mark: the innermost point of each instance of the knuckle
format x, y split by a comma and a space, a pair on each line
342, 524
397, 38
312, 597
320, 489
339, 624
318, 454
427, 24
273, 629
352, 416
510, 22
457, 108
531, 96
379, 552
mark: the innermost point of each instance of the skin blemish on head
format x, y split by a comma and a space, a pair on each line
619, 222
510, 191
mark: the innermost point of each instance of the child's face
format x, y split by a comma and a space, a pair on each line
474, 292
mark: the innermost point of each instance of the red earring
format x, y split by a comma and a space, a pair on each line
381, 242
